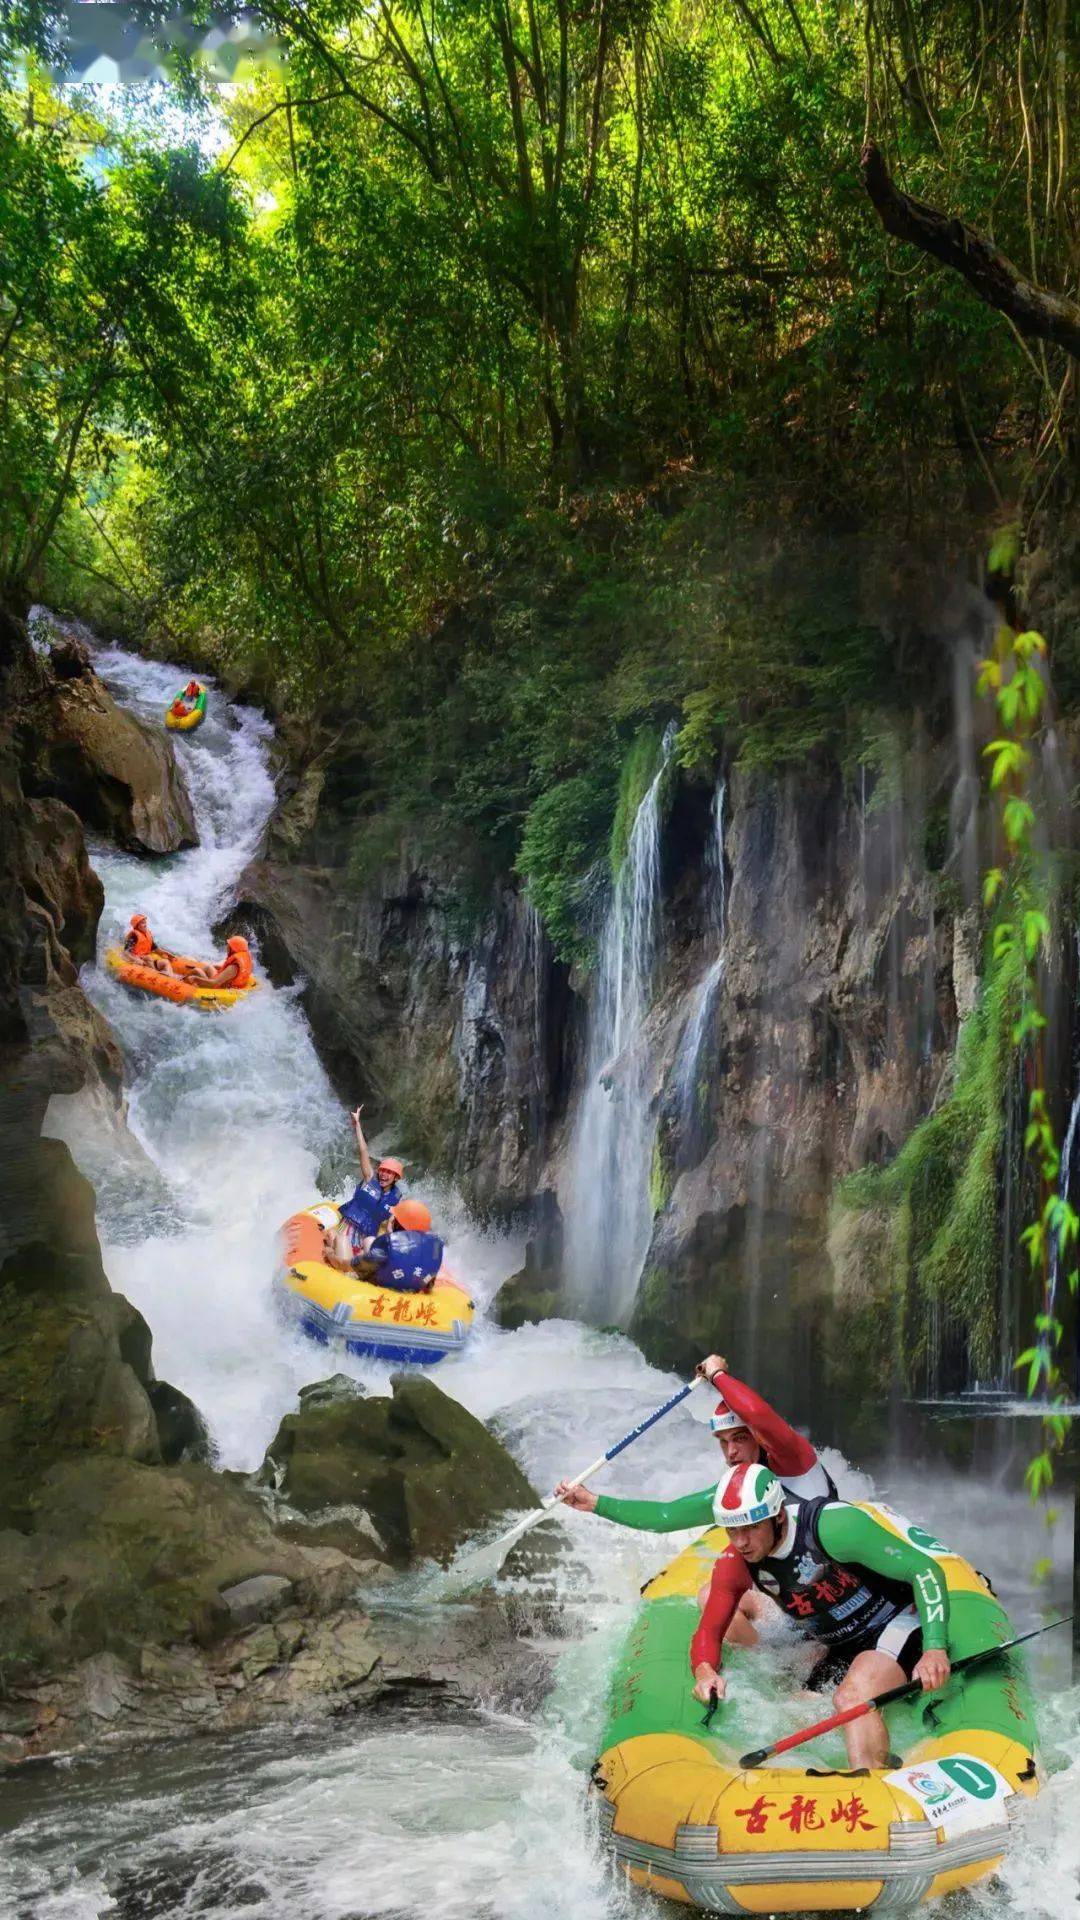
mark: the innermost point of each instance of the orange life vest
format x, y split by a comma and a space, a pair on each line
242, 963
138, 943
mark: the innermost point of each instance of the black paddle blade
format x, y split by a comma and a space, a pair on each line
714, 1702
757, 1759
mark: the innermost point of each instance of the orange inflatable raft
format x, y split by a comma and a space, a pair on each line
173, 986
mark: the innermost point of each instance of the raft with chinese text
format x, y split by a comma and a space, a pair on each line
363, 1317
684, 1820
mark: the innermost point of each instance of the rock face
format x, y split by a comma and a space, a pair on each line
119, 776
114, 1565
832, 1027
457, 1031
427, 1472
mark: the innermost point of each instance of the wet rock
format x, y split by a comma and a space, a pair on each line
427, 1471
536, 1293
257, 1598
182, 1432
456, 1031
323, 1393
69, 655
120, 776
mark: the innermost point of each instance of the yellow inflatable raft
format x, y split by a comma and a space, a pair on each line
180, 718
686, 1821
332, 1307
172, 986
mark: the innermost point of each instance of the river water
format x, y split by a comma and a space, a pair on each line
471, 1815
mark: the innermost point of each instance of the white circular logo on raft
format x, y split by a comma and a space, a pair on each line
917, 1535
956, 1791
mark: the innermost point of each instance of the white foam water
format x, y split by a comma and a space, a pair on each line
475, 1816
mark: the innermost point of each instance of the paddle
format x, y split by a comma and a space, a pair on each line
484, 1562
894, 1693
714, 1702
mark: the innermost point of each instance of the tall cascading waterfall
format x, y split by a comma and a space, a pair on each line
608, 1208
688, 1100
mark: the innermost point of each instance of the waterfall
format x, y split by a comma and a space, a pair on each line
609, 1211
699, 1018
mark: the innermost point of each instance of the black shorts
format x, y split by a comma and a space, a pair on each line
901, 1640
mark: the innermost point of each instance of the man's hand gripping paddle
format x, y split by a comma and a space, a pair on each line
909, 1687
485, 1562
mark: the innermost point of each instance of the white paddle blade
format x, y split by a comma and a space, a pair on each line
474, 1566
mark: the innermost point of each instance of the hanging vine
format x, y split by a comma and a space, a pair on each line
1019, 888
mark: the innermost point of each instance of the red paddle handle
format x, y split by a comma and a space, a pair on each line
824, 1726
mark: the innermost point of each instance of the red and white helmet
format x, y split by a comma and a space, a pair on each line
747, 1494
723, 1420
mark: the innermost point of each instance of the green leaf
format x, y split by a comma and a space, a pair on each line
992, 885
1017, 818
1039, 1474
1009, 757
1027, 643
1036, 927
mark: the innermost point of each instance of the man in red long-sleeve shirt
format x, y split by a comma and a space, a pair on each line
749, 1432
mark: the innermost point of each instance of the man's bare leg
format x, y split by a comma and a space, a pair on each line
870, 1673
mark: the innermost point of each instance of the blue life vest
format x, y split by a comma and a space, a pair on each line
370, 1206
405, 1259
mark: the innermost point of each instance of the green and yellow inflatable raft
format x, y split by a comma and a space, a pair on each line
186, 712
684, 1820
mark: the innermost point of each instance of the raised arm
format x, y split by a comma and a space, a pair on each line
790, 1453
361, 1145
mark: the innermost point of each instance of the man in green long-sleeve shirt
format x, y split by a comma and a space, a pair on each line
874, 1598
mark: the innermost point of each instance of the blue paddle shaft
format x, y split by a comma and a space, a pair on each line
644, 1425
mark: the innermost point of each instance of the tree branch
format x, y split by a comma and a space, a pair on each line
1046, 316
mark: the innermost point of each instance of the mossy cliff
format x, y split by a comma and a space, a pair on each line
142, 1593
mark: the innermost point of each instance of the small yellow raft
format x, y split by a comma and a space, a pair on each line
686, 1821
172, 986
191, 717
334, 1308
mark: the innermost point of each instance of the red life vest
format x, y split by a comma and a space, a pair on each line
138, 943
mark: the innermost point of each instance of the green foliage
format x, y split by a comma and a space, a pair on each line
464, 392
563, 830
941, 1191
638, 770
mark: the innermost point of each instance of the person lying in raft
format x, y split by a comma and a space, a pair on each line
404, 1254
748, 1431
877, 1604
234, 971
140, 945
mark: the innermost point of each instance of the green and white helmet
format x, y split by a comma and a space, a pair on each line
747, 1494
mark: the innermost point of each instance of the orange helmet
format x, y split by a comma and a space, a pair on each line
412, 1214
389, 1165
236, 944
138, 920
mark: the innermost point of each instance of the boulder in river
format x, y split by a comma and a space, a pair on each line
119, 775
426, 1470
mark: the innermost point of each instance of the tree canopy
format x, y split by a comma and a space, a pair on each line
485, 372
